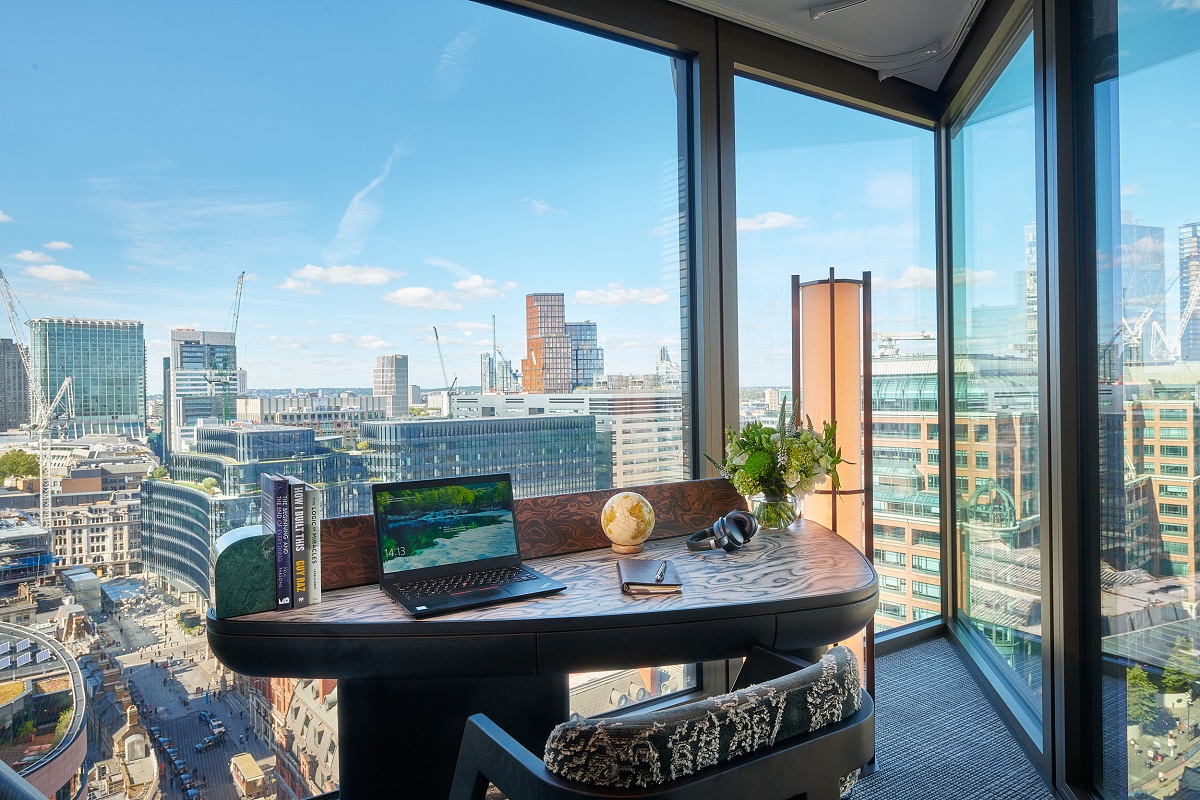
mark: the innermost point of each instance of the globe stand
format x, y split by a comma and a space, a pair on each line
627, 549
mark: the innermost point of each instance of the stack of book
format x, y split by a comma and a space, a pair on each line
291, 512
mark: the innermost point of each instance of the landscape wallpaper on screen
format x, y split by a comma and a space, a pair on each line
445, 525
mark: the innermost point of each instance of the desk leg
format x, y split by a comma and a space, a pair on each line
400, 738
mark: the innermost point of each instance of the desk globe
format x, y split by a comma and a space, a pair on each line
627, 520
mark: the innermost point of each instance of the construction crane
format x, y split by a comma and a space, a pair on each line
887, 341
1164, 347
511, 379
442, 359
44, 412
223, 374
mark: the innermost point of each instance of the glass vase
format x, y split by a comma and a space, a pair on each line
774, 513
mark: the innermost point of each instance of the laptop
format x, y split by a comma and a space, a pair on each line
449, 544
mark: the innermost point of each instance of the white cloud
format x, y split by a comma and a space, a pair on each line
616, 295
541, 206
367, 342
5, 217
371, 342
422, 297
32, 257
1131, 189
299, 287
451, 71
290, 342
477, 286
357, 276
58, 274
57, 245
467, 327
913, 277
976, 277
1186, 5
360, 217
449, 266
769, 220
890, 190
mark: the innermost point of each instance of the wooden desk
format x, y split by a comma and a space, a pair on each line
406, 686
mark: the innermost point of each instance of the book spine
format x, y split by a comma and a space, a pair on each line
299, 543
281, 528
314, 511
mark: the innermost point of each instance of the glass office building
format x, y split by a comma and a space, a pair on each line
587, 357
546, 454
106, 360
202, 382
14, 386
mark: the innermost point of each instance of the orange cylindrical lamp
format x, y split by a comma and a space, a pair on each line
831, 382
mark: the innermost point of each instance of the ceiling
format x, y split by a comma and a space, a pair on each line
912, 40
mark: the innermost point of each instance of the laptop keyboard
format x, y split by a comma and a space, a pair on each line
470, 580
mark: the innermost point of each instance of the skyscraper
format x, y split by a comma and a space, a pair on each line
1189, 277
202, 382
14, 386
1143, 264
587, 357
106, 359
390, 380
548, 367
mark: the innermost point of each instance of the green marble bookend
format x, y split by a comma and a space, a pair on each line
244, 575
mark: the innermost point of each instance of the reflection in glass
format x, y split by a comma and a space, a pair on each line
996, 409
1148, 341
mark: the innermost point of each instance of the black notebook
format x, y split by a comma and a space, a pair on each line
643, 576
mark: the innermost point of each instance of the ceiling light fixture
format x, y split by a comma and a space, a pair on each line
816, 12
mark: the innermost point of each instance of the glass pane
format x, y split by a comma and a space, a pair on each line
1148, 282
416, 240
995, 318
821, 185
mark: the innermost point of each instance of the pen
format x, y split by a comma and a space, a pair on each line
662, 572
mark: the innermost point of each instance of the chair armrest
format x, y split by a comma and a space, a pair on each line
489, 753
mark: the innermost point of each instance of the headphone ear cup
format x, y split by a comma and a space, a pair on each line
745, 522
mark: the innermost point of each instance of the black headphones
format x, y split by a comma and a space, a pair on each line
729, 533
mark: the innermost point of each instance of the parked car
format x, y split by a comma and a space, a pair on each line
172, 754
217, 726
185, 781
193, 794
178, 765
207, 717
208, 743
163, 743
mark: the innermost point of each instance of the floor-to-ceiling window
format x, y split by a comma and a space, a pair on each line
995, 404
1147, 134
426, 211
821, 185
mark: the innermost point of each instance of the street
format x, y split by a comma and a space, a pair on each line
175, 696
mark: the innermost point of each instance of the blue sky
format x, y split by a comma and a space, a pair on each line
376, 174
413, 164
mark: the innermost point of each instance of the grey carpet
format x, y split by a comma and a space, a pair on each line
938, 737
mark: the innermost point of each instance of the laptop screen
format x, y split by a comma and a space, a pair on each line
444, 522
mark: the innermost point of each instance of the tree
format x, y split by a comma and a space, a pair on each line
159, 472
1181, 669
18, 462
1140, 697
362, 447
210, 483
